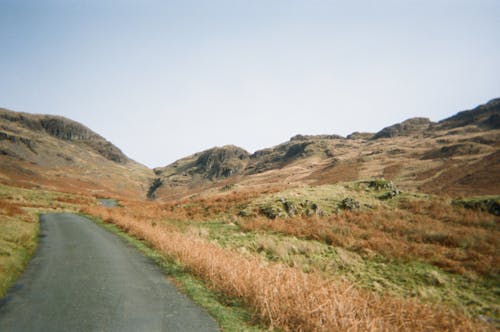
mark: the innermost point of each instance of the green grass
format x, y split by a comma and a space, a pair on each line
489, 204
325, 199
230, 315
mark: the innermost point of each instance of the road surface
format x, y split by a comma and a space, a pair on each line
84, 278
108, 202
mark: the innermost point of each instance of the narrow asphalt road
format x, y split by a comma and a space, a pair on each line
84, 278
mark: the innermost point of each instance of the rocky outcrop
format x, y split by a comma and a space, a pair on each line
314, 137
408, 127
17, 139
278, 156
359, 135
350, 204
298, 147
212, 164
485, 116
151, 194
66, 129
221, 162
490, 205
462, 149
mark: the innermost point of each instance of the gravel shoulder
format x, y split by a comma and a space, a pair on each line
84, 278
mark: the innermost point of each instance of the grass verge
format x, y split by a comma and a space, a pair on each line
20, 209
18, 241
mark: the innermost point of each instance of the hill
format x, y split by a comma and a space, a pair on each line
53, 152
457, 156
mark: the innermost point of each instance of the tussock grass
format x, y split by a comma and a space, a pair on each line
455, 239
414, 245
286, 297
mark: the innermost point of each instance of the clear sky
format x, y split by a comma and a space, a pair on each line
165, 79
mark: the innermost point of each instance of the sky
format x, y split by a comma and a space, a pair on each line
165, 79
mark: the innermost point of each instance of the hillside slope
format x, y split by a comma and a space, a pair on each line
57, 153
457, 156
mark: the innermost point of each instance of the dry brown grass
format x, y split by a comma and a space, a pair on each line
10, 209
285, 297
22, 174
205, 208
455, 177
454, 239
336, 172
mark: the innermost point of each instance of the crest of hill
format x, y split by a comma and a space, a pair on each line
226, 161
406, 128
230, 162
214, 163
359, 135
63, 129
486, 116
456, 156
299, 147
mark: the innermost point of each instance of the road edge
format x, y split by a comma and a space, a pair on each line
229, 315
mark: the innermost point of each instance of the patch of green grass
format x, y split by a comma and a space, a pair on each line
230, 315
430, 284
326, 199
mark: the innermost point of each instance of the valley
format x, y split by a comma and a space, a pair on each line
393, 230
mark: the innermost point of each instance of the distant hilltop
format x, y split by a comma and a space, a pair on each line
433, 147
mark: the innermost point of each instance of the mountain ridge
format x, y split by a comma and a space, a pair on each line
57, 152
331, 153
453, 155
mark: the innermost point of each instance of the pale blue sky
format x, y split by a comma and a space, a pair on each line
165, 79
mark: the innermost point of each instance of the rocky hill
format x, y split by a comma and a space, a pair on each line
457, 156
61, 128
410, 127
53, 151
210, 165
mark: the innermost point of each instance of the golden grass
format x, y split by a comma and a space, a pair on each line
456, 239
9, 209
17, 241
204, 208
285, 297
